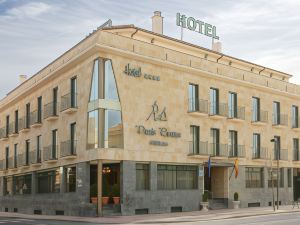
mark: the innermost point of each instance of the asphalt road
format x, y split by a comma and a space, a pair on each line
278, 219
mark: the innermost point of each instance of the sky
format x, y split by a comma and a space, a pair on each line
34, 33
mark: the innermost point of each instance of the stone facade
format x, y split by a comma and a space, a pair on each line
177, 64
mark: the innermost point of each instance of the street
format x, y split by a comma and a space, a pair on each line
292, 218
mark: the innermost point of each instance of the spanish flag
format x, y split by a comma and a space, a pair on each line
236, 168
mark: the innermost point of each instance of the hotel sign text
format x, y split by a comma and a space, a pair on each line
197, 26
137, 72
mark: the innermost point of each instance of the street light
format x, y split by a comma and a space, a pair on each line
277, 153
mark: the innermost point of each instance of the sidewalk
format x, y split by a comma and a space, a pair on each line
163, 218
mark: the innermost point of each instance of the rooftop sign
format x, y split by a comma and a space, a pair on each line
196, 25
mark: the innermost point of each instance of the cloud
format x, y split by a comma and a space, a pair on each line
31, 9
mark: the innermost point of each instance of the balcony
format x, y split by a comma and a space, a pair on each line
236, 151
200, 148
259, 153
35, 119
218, 150
296, 156
260, 118
296, 124
3, 134
198, 107
280, 120
237, 114
50, 153
68, 149
23, 160
68, 103
283, 154
13, 129
35, 158
218, 110
12, 163
51, 111
24, 125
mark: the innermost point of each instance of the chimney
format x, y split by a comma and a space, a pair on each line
22, 78
217, 46
157, 22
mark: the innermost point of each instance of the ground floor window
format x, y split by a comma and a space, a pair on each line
289, 176
48, 182
170, 177
70, 173
276, 175
142, 176
254, 177
22, 184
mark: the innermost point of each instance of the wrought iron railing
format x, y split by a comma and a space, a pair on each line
236, 151
35, 118
50, 152
3, 133
280, 119
220, 109
283, 154
217, 149
262, 116
50, 110
238, 113
200, 148
23, 159
68, 148
198, 105
35, 157
68, 101
259, 153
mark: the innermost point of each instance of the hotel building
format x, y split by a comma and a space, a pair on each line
124, 123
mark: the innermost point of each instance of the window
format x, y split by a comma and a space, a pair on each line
15, 155
38, 149
171, 177
16, 122
277, 147
255, 109
22, 184
55, 94
70, 173
27, 115
6, 157
74, 92
289, 177
276, 113
193, 98
105, 128
233, 143
48, 182
39, 112
195, 134
27, 149
254, 177
280, 175
232, 105
256, 146
295, 120
93, 130
296, 148
54, 144
215, 141
7, 125
73, 138
214, 101
142, 176
113, 129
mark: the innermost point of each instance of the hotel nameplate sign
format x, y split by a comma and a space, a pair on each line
196, 25
157, 115
137, 72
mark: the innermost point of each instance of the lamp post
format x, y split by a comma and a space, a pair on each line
277, 156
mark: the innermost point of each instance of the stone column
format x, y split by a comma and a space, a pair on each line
62, 180
33, 183
128, 185
99, 195
83, 181
153, 176
1, 186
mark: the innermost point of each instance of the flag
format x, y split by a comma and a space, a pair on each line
209, 166
236, 168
